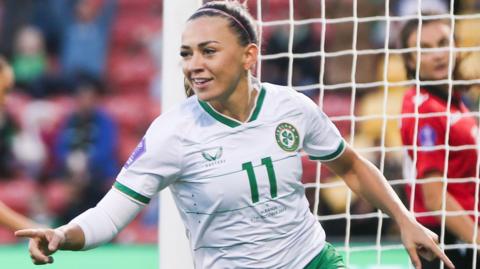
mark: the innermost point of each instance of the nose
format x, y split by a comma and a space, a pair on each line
442, 53
195, 63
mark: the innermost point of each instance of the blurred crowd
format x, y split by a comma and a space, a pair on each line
87, 86
84, 72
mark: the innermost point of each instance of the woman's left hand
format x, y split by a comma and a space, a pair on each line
420, 241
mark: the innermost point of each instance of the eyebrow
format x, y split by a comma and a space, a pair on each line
201, 45
440, 41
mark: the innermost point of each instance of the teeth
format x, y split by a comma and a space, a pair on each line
199, 80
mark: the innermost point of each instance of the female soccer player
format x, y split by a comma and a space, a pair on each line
230, 155
431, 135
9, 218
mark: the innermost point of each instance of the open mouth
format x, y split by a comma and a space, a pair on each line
200, 82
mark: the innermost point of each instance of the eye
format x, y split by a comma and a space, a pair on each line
184, 54
444, 42
209, 51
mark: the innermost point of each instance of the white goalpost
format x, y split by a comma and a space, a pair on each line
388, 86
174, 250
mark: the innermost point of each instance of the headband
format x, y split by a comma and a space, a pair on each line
218, 11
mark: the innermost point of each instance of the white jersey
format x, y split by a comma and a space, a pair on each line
237, 185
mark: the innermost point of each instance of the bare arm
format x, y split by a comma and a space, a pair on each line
14, 221
367, 181
461, 226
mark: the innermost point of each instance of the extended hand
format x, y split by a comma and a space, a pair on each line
419, 240
43, 243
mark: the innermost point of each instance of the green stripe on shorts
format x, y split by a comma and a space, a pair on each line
328, 258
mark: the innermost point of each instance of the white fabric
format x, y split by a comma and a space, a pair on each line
211, 165
103, 222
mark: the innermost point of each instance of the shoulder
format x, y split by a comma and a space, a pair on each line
284, 95
424, 100
178, 119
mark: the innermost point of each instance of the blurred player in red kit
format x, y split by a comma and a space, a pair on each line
442, 131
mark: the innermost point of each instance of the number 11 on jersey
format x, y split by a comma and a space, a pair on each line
252, 179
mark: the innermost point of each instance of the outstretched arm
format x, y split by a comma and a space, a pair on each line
14, 221
367, 181
94, 227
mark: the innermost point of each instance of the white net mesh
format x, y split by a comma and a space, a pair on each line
343, 55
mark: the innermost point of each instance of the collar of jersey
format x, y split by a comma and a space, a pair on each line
434, 90
233, 122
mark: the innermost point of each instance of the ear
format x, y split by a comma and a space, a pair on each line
250, 56
412, 60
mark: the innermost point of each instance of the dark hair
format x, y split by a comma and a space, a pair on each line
410, 27
240, 21
85, 82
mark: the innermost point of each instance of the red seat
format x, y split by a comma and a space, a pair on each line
18, 194
131, 28
310, 170
131, 71
335, 105
15, 104
57, 197
132, 111
127, 143
142, 5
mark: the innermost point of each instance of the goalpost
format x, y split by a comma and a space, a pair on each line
173, 246
174, 251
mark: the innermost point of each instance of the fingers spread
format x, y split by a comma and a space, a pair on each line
412, 252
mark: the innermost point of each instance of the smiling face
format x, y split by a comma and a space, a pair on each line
213, 61
433, 65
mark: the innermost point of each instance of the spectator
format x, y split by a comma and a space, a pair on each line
86, 149
85, 38
29, 60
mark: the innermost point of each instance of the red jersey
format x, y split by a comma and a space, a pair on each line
431, 146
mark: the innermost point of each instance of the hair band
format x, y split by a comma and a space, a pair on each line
228, 16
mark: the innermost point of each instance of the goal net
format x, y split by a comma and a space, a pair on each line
344, 56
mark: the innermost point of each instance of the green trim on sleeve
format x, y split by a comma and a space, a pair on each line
331, 156
133, 194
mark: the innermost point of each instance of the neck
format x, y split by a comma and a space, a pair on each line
239, 104
442, 92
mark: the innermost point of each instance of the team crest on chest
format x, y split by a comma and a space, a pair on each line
287, 137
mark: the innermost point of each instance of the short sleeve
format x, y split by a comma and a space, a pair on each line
322, 139
430, 138
153, 165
